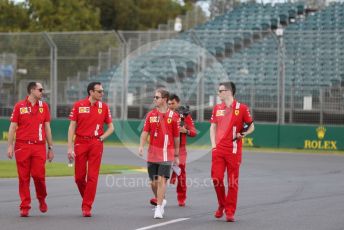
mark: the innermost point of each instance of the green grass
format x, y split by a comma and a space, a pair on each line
8, 169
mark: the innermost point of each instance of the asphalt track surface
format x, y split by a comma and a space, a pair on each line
277, 191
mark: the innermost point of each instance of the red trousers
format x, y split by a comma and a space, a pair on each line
88, 155
30, 160
181, 183
222, 161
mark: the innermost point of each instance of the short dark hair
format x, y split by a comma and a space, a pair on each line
229, 86
30, 86
91, 86
174, 97
164, 93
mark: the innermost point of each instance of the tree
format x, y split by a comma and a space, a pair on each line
62, 15
136, 14
13, 17
155, 12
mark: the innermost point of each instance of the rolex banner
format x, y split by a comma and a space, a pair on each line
321, 137
311, 137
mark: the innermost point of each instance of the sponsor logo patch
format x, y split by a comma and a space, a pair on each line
84, 109
220, 113
153, 119
24, 110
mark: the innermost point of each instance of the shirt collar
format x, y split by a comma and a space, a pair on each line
87, 100
224, 106
28, 102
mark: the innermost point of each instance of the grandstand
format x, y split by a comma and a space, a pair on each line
274, 74
244, 43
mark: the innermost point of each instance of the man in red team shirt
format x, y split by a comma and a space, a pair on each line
226, 133
187, 128
30, 124
162, 126
87, 119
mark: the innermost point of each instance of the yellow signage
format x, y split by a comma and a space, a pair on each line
247, 142
4, 135
321, 132
320, 143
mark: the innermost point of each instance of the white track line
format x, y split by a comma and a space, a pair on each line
163, 224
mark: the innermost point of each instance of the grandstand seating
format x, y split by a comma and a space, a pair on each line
242, 40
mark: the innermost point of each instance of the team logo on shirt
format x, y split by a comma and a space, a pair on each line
169, 120
84, 109
100, 111
220, 113
41, 110
24, 110
236, 112
153, 119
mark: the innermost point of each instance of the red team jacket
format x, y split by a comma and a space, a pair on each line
30, 120
189, 125
90, 119
230, 121
162, 129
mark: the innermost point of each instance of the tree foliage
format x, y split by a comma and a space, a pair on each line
86, 15
136, 14
62, 15
13, 17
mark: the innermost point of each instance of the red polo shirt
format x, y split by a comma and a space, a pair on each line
229, 122
162, 128
89, 118
30, 120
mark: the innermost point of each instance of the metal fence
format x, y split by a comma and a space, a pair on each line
297, 77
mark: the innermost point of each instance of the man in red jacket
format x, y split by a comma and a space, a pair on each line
226, 132
87, 119
162, 126
30, 124
187, 128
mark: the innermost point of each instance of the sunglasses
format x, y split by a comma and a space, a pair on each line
40, 90
222, 90
156, 97
99, 91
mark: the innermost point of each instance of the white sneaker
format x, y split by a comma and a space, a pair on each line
163, 205
157, 212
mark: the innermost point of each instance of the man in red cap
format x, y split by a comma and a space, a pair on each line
162, 126
187, 128
87, 119
30, 124
227, 129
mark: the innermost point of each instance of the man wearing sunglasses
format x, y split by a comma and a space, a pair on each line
226, 133
87, 119
30, 127
162, 126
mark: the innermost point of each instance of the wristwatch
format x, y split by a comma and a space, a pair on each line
50, 147
101, 139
